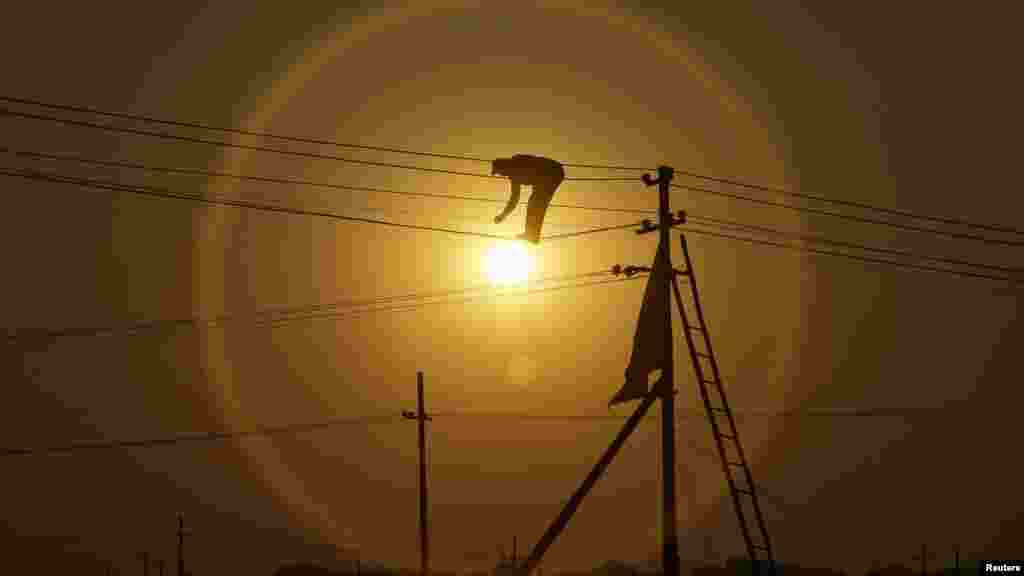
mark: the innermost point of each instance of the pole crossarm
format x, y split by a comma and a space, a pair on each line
648, 226
630, 270
410, 415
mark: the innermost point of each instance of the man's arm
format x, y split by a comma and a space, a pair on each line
513, 201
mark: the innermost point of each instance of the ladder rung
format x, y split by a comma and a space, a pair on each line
765, 548
702, 355
717, 409
726, 436
736, 464
745, 491
708, 382
694, 328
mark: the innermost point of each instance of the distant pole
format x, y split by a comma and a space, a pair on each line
514, 556
421, 417
924, 559
670, 544
145, 563
181, 546
424, 534
956, 559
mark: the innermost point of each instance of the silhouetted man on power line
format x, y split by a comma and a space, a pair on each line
543, 175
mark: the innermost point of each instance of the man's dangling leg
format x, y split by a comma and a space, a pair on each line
535, 209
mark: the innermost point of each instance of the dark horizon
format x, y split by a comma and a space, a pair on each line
939, 562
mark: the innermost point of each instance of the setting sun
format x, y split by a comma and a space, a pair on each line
508, 263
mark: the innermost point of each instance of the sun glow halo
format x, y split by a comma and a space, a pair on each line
508, 263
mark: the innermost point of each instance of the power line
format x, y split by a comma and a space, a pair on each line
591, 231
418, 306
222, 144
219, 201
822, 240
353, 307
600, 179
472, 288
392, 150
294, 181
193, 438
148, 191
284, 138
160, 193
309, 155
695, 219
742, 413
862, 205
861, 219
272, 208
269, 431
461, 173
856, 257
313, 314
742, 184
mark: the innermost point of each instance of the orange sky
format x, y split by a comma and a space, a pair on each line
783, 99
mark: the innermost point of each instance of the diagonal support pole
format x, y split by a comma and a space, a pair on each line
565, 515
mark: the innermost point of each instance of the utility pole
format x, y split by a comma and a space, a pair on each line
144, 556
956, 559
670, 543
715, 403
421, 417
664, 391
181, 545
